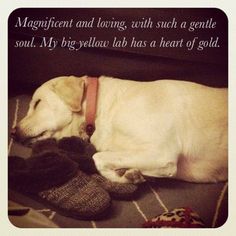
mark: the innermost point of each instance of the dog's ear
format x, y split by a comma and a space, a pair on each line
71, 90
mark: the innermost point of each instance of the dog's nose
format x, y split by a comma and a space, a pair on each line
13, 132
16, 134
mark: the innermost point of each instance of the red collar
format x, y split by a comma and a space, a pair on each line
91, 103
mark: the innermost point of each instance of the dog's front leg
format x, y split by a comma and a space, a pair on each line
127, 167
113, 166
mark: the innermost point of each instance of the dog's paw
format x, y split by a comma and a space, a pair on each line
134, 176
110, 169
131, 175
107, 169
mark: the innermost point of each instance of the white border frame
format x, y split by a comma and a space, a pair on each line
6, 7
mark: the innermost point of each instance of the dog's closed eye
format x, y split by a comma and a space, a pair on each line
37, 103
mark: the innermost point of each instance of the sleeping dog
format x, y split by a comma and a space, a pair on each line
164, 128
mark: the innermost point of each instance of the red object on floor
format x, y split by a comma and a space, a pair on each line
183, 217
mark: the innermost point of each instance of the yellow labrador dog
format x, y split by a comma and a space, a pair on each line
164, 128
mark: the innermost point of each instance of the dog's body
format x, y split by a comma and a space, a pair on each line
164, 128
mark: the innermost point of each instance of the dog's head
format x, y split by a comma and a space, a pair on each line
52, 109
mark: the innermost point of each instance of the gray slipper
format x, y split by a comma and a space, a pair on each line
80, 197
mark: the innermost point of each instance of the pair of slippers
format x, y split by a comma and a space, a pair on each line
63, 175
